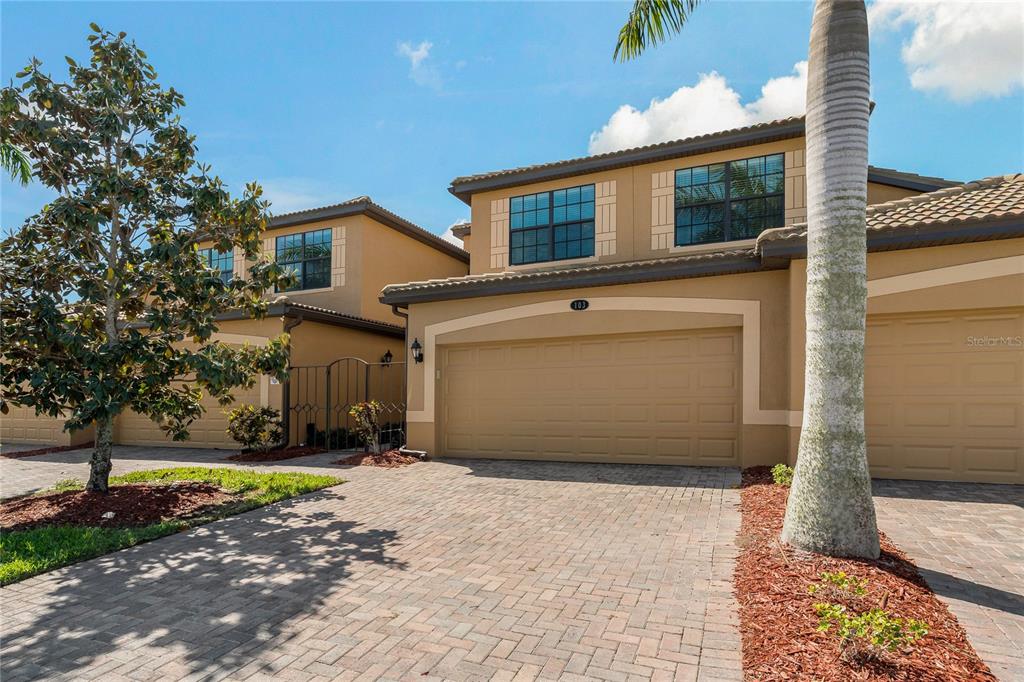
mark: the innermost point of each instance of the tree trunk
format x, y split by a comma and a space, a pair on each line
99, 463
830, 509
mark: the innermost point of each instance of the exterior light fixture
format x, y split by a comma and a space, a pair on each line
417, 350
386, 358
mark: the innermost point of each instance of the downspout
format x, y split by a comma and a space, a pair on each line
286, 387
405, 316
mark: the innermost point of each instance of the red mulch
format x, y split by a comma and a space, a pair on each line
276, 455
133, 505
392, 459
44, 451
777, 619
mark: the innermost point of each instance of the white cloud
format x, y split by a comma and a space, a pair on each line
449, 236
966, 50
708, 106
421, 70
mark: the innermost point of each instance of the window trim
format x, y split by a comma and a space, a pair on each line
726, 202
551, 225
303, 261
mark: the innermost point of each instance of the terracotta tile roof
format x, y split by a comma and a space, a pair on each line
995, 198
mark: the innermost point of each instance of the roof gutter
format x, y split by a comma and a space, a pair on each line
577, 279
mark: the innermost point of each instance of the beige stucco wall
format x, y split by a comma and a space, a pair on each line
878, 194
389, 257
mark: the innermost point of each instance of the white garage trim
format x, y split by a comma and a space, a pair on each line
750, 312
954, 274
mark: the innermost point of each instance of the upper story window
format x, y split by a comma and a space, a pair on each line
723, 202
308, 256
550, 226
221, 261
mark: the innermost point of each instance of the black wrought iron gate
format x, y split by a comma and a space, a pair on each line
320, 397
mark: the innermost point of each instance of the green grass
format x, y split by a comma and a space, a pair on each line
26, 553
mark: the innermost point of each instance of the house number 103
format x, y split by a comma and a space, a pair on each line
580, 304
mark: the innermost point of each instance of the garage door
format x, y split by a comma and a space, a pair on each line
209, 431
21, 425
665, 398
945, 396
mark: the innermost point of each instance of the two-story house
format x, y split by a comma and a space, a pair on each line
647, 306
342, 255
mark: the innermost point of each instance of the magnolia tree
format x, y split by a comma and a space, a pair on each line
107, 304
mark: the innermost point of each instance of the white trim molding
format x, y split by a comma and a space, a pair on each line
953, 274
749, 311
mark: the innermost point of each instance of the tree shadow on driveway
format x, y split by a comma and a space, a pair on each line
205, 601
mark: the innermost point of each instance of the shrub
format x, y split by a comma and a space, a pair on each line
839, 587
869, 636
367, 418
782, 474
255, 428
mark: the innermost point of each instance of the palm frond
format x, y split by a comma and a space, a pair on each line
14, 161
651, 22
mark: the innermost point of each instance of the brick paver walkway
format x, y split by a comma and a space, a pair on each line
442, 570
968, 540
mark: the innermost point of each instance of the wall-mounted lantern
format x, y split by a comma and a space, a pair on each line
387, 358
417, 350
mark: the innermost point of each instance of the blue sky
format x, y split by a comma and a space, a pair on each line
321, 102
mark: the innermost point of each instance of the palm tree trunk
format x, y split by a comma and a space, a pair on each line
830, 509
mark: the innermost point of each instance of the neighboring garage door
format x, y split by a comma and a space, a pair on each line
945, 396
22, 425
665, 398
209, 431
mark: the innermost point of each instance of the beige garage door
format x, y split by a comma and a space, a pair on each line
666, 398
21, 425
209, 431
945, 396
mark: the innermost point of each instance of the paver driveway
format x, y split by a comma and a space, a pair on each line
968, 540
458, 570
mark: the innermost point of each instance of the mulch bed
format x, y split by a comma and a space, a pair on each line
392, 459
44, 451
777, 619
276, 455
133, 505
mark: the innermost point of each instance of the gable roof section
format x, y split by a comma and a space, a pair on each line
992, 208
464, 187
365, 206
